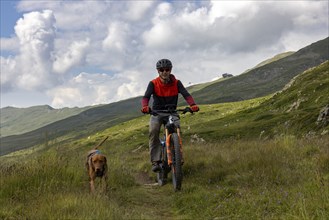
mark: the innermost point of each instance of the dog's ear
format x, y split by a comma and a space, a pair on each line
105, 167
91, 163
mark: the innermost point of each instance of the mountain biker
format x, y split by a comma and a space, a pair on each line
164, 89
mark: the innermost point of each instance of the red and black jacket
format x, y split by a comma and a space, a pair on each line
165, 94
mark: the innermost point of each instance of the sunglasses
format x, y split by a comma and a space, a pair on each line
166, 69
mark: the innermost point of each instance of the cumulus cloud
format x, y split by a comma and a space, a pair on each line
136, 9
229, 27
37, 62
9, 44
8, 66
92, 89
32, 69
75, 55
116, 37
90, 52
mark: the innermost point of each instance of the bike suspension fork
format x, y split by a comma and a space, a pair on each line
169, 150
168, 147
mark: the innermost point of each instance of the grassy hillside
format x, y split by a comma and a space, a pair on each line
83, 124
293, 111
20, 120
197, 87
200, 86
266, 79
232, 169
273, 59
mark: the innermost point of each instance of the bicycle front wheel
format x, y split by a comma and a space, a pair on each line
176, 167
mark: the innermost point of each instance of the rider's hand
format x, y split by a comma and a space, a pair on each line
195, 108
145, 109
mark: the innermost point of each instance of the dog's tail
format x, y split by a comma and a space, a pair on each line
100, 143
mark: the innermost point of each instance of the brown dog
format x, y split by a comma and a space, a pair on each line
97, 167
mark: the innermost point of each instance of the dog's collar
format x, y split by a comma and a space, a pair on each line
94, 153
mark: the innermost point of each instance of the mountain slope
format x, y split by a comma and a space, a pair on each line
20, 120
295, 111
266, 79
273, 59
89, 121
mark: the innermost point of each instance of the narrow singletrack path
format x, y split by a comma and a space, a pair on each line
156, 200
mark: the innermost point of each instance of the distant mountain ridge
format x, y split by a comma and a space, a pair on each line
20, 120
82, 124
275, 58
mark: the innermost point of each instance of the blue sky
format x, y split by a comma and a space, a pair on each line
9, 16
78, 53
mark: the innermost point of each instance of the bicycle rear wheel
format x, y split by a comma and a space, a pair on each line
176, 167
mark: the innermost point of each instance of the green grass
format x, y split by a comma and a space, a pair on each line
281, 178
284, 178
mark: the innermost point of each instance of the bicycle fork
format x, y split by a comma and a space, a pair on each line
169, 147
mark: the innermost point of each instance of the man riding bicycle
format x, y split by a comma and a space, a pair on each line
164, 89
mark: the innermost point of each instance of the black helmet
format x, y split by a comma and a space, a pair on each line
164, 63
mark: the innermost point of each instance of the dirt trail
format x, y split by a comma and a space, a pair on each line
157, 201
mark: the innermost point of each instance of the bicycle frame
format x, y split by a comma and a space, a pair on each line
168, 139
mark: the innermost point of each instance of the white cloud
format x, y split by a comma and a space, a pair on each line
131, 86
97, 88
163, 10
159, 36
75, 55
62, 96
225, 9
90, 52
70, 15
137, 9
116, 37
86, 89
9, 44
8, 74
32, 69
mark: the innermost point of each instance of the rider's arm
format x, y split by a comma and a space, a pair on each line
182, 90
147, 95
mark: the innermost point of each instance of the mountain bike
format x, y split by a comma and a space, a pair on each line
171, 148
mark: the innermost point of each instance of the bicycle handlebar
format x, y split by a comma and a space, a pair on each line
185, 110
